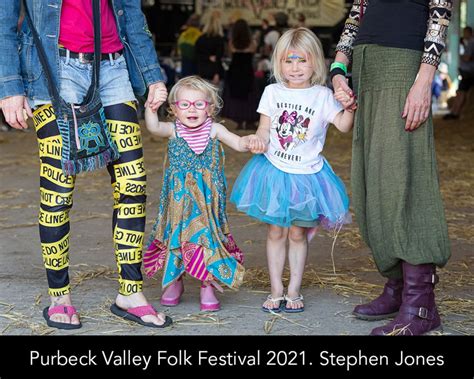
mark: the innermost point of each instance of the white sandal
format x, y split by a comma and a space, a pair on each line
290, 301
274, 300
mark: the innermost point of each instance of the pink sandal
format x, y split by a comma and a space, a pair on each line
209, 301
172, 294
135, 314
64, 310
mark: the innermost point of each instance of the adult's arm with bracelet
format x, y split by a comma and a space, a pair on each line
340, 82
344, 48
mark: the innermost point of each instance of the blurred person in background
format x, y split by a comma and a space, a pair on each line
240, 95
186, 45
210, 48
466, 70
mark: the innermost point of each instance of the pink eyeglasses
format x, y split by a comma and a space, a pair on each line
185, 104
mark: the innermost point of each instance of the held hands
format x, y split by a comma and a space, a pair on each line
343, 93
157, 95
347, 101
16, 110
256, 145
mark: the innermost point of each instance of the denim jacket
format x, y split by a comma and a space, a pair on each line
20, 69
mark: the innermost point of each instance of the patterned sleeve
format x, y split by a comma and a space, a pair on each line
435, 40
351, 28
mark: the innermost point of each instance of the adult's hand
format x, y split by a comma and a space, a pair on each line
417, 105
346, 101
157, 95
14, 108
340, 83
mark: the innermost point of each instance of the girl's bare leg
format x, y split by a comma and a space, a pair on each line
297, 253
276, 254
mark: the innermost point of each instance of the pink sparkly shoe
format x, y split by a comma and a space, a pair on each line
172, 294
209, 300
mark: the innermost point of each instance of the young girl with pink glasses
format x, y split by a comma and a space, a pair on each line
191, 233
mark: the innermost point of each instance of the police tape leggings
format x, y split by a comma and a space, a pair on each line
128, 178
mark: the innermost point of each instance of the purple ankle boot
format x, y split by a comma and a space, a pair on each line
385, 306
418, 313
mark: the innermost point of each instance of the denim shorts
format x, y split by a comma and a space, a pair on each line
75, 78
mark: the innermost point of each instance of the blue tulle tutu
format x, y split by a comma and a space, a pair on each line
275, 197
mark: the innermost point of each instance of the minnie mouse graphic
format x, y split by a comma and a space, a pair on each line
291, 129
286, 128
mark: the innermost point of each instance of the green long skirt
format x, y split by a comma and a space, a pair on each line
395, 187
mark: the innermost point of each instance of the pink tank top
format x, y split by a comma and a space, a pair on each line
77, 28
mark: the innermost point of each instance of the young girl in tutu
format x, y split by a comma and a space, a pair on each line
191, 233
292, 187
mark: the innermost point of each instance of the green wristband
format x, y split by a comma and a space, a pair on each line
340, 65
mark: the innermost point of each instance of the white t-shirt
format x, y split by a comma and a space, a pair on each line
299, 121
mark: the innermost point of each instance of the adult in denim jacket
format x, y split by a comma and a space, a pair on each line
130, 71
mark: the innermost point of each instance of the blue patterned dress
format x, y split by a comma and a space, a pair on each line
191, 233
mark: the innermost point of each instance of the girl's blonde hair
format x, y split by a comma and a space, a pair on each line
196, 83
304, 40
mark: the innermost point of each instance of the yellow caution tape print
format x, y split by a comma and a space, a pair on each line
131, 104
43, 116
52, 219
55, 254
50, 147
55, 248
56, 176
59, 291
56, 263
122, 128
53, 198
125, 186
129, 256
128, 142
131, 210
132, 169
129, 287
128, 237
